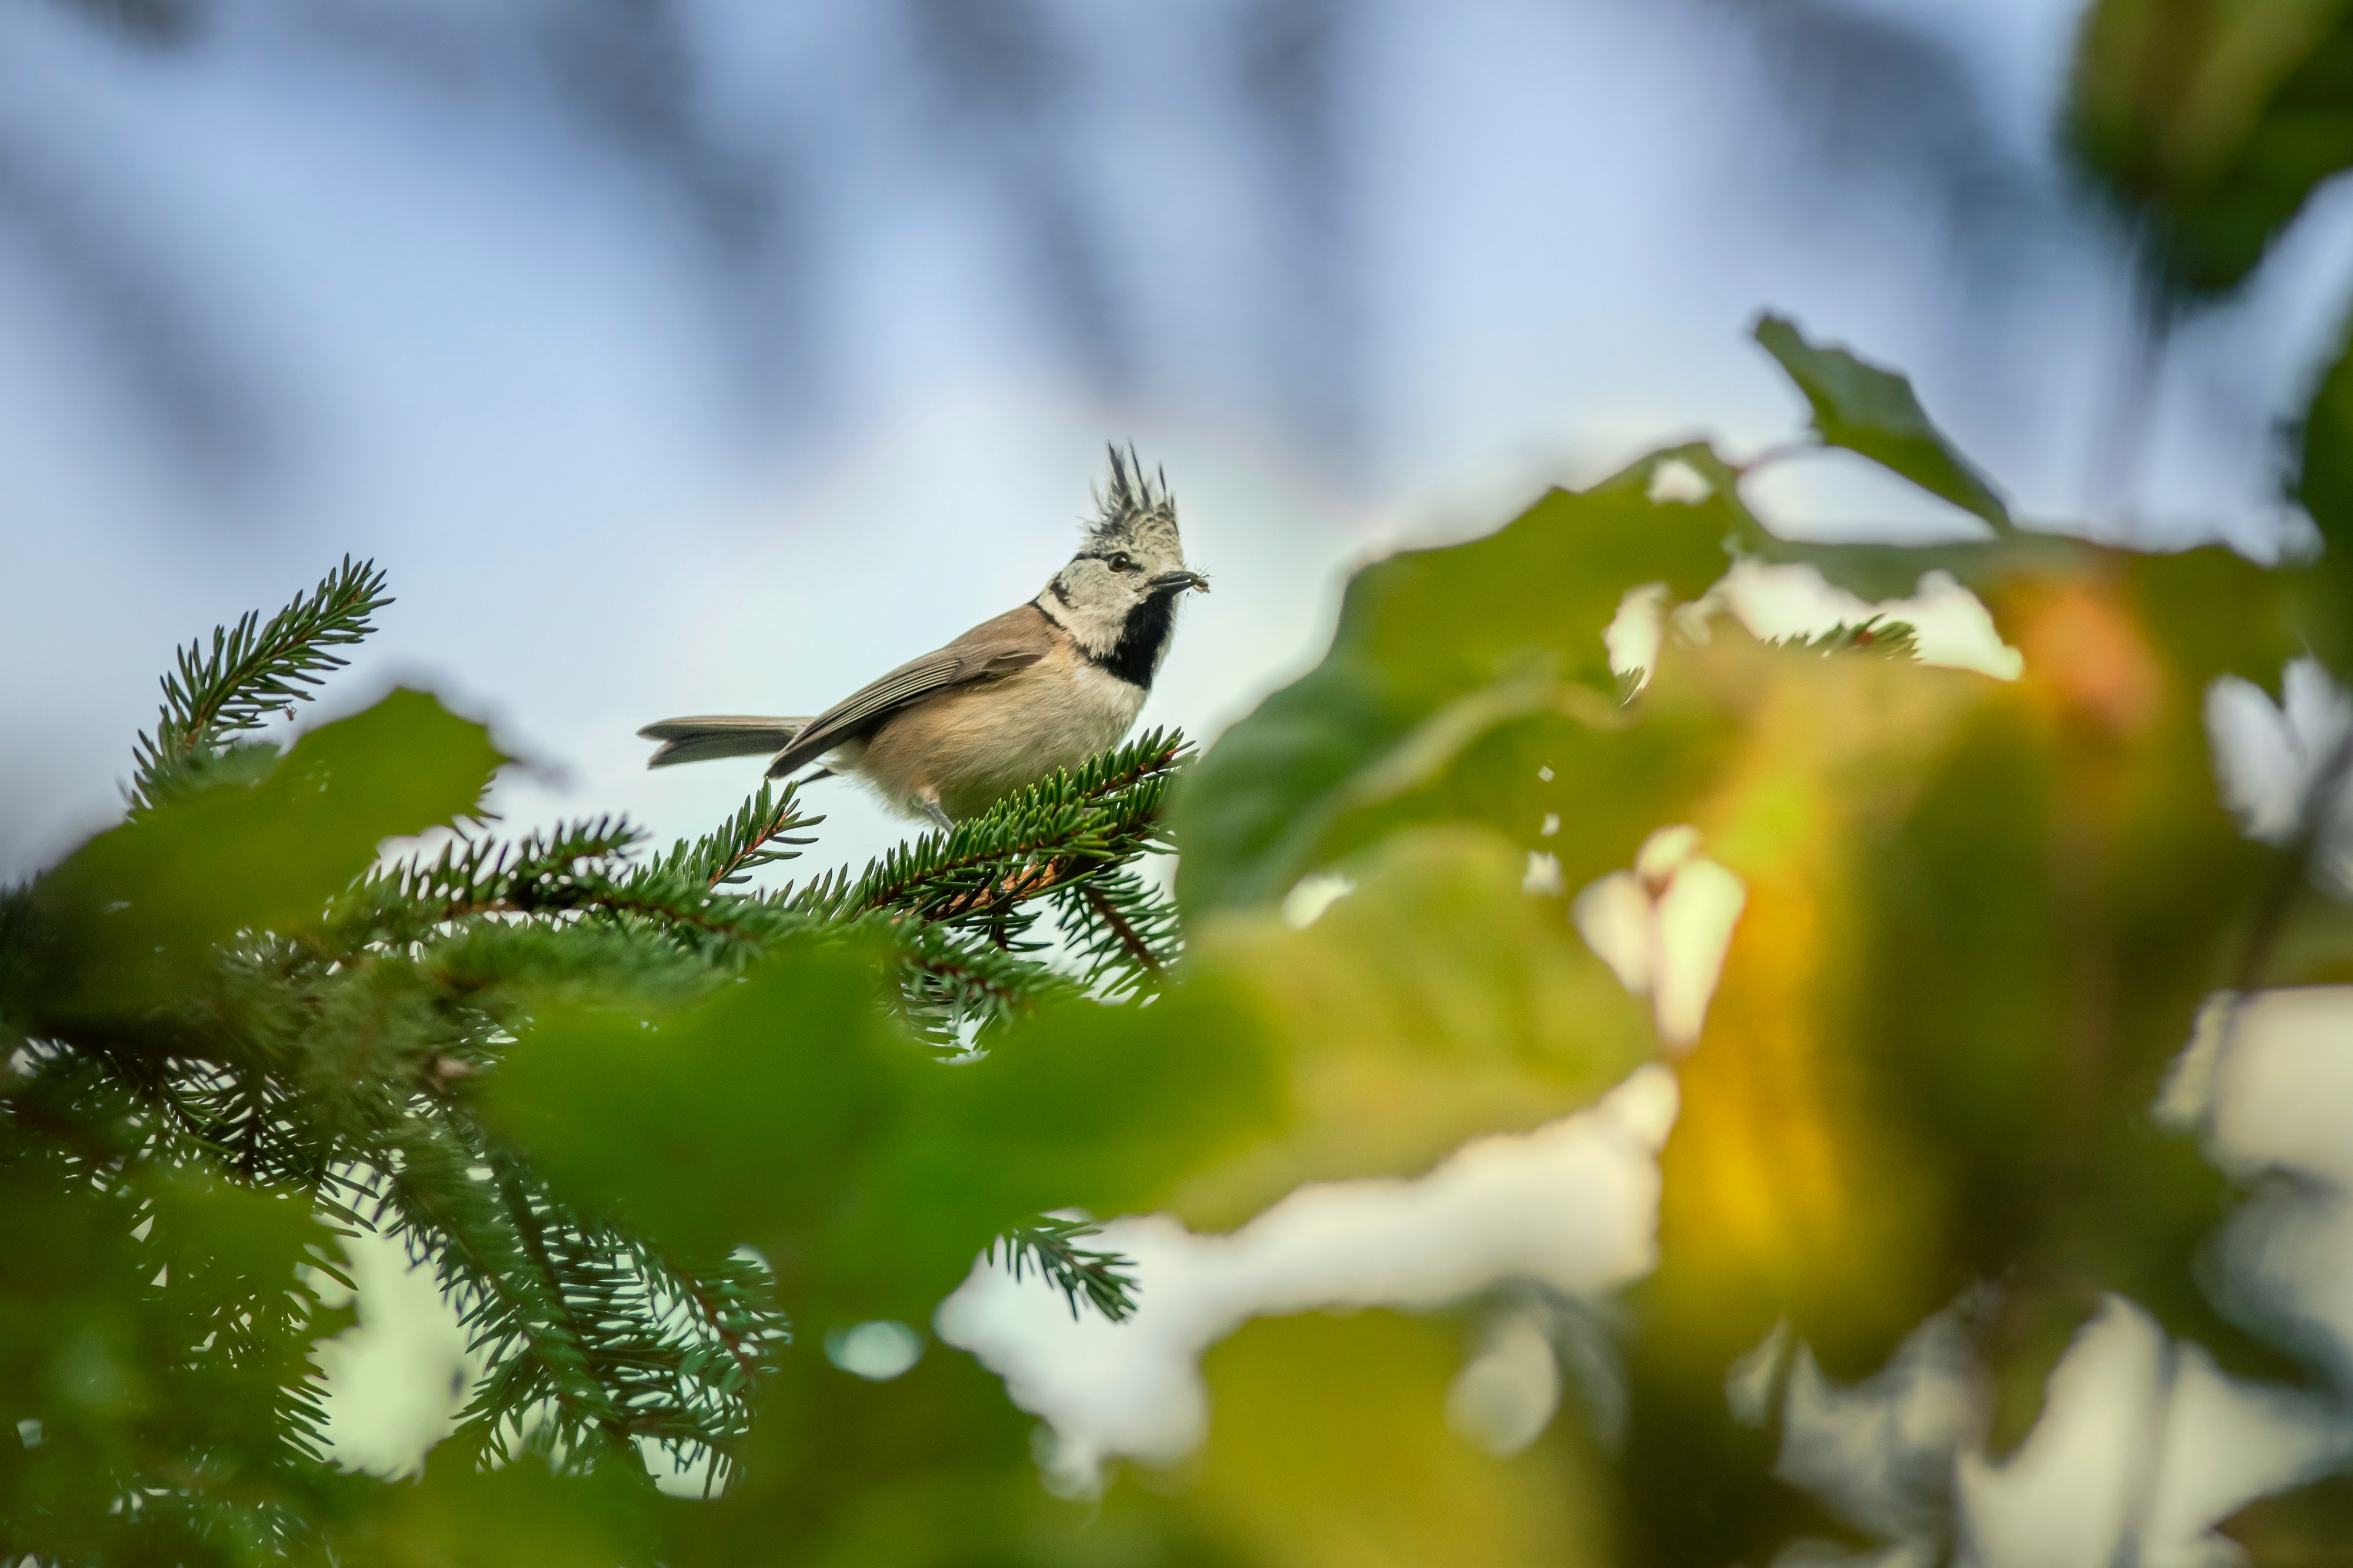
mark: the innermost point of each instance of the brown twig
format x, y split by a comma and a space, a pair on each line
1108, 913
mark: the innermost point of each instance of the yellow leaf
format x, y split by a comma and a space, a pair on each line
1329, 1448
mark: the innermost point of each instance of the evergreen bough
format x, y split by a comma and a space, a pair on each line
314, 1079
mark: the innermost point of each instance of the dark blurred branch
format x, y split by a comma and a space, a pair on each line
126, 294
158, 23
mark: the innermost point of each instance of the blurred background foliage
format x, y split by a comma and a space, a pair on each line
666, 1128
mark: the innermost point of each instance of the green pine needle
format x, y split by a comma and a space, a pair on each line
1048, 1246
1058, 831
252, 672
1886, 639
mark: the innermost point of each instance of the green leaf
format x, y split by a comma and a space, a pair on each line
1437, 1002
251, 673
522, 1515
1435, 651
935, 1468
236, 1240
1872, 411
1329, 1444
1880, 572
2211, 122
138, 909
2023, 1333
2309, 1527
2210, 612
1695, 1486
2314, 942
791, 1113
1088, 1106
738, 1119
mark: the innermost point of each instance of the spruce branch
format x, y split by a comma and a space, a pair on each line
252, 670
762, 831
1048, 1244
1123, 932
584, 1401
1888, 639
478, 875
958, 981
1093, 897
1057, 831
593, 1338
581, 871
330, 1059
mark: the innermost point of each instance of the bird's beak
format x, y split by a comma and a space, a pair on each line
1177, 582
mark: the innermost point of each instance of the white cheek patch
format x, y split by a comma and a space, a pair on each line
1094, 612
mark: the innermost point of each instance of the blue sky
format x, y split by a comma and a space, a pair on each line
714, 355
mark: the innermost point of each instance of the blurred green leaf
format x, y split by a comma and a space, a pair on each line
793, 1113
1879, 571
1436, 1002
1439, 1002
1787, 1190
737, 1120
926, 1469
2313, 945
2026, 1334
2211, 612
1695, 1485
139, 908
2308, 1527
1103, 1109
1437, 650
933, 1468
2324, 485
1872, 411
2211, 122
1329, 1447
522, 1515
155, 1334
233, 1240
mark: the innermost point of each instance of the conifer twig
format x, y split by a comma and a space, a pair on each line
252, 670
1888, 639
1129, 942
1048, 1244
1054, 832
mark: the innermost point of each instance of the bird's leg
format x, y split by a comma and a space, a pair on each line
930, 805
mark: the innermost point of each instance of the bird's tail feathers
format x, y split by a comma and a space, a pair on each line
707, 737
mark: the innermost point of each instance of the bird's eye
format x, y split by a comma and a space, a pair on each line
1121, 564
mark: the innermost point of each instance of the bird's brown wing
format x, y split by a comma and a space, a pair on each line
995, 647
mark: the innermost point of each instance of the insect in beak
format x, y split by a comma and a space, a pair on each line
1177, 582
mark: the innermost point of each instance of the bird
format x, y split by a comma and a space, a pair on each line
1042, 686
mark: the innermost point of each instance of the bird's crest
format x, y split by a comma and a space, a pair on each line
1136, 511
